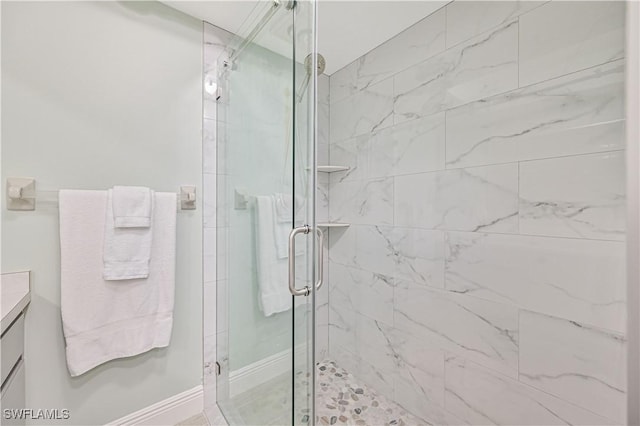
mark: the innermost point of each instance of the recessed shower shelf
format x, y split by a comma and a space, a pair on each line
333, 225
331, 169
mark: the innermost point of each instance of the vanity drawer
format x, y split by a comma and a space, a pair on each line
13, 396
12, 346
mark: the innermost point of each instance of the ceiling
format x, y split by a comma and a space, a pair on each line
347, 29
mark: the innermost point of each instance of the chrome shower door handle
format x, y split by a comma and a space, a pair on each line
305, 229
320, 279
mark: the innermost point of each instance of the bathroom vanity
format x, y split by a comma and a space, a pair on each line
15, 298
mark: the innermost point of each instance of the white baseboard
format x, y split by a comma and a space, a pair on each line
252, 375
167, 412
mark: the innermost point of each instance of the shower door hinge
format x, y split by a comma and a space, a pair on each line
218, 368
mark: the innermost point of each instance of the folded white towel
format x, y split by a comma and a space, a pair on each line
132, 206
272, 268
127, 251
104, 320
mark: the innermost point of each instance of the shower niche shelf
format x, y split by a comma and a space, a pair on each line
331, 169
331, 225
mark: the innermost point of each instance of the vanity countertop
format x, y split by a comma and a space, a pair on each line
15, 295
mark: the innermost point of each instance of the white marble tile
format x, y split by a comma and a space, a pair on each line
420, 379
483, 331
342, 327
375, 377
353, 153
343, 83
222, 309
482, 67
474, 199
322, 331
362, 202
576, 114
209, 146
404, 253
373, 346
345, 359
322, 197
209, 254
209, 317
222, 159
216, 41
419, 255
580, 280
580, 196
342, 246
222, 254
323, 153
363, 112
413, 45
322, 128
375, 249
583, 365
420, 371
223, 201
209, 200
483, 397
363, 292
562, 37
209, 358
412, 392
413, 147
466, 19
323, 89
209, 107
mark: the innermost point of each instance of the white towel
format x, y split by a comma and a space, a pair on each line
103, 320
284, 204
284, 207
127, 251
272, 269
281, 230
283, 223
132, 206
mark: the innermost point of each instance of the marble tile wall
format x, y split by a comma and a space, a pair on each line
322, 215
482, 279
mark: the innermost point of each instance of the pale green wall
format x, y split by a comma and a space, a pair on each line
96, 94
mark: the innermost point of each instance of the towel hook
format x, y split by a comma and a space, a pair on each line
188, 197
21, 193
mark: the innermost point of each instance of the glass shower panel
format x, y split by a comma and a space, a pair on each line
304, 135
266, 167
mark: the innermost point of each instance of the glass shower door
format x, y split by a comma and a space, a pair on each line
266, 234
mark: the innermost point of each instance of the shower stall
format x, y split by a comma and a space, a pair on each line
433, 234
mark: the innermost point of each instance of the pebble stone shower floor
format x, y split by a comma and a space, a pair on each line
341, 400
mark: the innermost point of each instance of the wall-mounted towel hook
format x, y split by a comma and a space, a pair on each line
188, 197
21, 193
